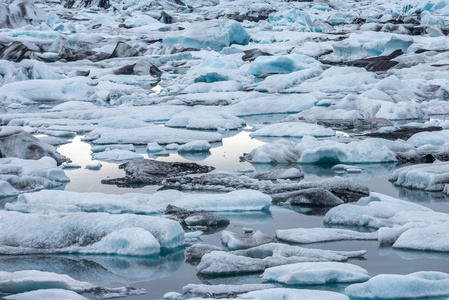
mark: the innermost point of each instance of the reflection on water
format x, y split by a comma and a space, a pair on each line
250, 217
195, 156
98, 269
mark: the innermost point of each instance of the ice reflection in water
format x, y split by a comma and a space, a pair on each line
99, 269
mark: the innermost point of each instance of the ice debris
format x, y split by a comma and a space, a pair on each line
310, 273
316, 235
392, 286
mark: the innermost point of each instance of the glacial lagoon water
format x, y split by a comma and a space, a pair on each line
170, 272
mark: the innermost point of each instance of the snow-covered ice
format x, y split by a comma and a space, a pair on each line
316, 235
316, 273
48, 202
392, 286
88, 233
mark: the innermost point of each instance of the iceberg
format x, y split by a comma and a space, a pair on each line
150, 133
316, 235
247, 240
316, 273
88, 233
26, 175
215, 34
293, 129
52, 201
391, 286
428, 177
373, 211
53, 293
257, 259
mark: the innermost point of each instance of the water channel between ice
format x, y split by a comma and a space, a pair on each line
170, 273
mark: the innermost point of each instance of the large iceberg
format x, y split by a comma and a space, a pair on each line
88, 233
391, 286
257, 259
315, 235
25, 175
429, 177
48, 202
316, 273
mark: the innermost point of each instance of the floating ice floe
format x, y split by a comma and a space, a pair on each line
326, 192
215, 34
150, 133
48, 202
294, 129
245, 241
25, 175
316, 235
221, 290
49, 294
264, 65
116, 155
316, 273
154, 147
313, 151
23, 281
195, 146
101, 148
391, 286
429, 177
373, 211
284, 293
88, 233
46, 285
205, 120
257, 259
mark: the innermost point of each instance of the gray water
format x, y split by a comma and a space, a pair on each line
170, 273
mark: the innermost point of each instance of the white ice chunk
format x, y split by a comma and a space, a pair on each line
53, 201
316, 235
391, 286
372, 211
312, 150
294, 129
259, 258
47, 294
88, 233
215, 34
195, 146
429, 177
293, 294
280, 64
148, 134
116, 155
316, 273
154, 147
23, 281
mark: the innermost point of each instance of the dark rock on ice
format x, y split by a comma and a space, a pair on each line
122, 49
18, 143
87, 3
27, 13
191, 218
16, 52
372, 64
142, 172
402, 133
166, 18
252, 54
